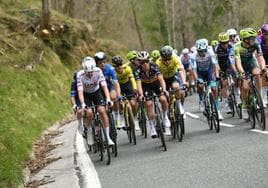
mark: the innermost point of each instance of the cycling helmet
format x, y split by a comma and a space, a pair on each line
166, 52
99, 56
223, 37
89, 65
231, 32
185, 51
215, 42
117, 60
247, 32
201, 45
264, 28
132, 54
143, 55
155, 54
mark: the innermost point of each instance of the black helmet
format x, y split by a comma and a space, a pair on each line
166, 52
117, 60
99, 56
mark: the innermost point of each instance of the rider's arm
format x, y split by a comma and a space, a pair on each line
181, 70
231, 59
259, 56
115, 82
238, 60
80, 88
132, 79
162, 81
139, 88
105, 90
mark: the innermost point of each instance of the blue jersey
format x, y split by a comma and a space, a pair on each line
110, 75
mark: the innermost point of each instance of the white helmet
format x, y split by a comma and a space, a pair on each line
89, 64
201, 44
231, 32
185, 51
83, 61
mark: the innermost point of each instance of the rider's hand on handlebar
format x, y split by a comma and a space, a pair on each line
84, 106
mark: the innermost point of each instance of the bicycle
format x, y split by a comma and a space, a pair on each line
254, 103
129, 120
100, 138
142, 118
175, 116
158, 118
210, 110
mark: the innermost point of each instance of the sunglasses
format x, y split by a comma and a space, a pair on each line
118, 65
167, 59
232, 36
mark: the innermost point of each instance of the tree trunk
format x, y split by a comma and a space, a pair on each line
46, 14
69, 8
173, 25
167, 21
137, 25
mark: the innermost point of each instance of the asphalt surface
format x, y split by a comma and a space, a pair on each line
235, 157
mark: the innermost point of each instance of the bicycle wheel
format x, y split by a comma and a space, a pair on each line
178, 122
104, 142
142, 120
159, 127
131, 122
214, 118
113, 133
207, 112
231, 103
260, 113
251, 109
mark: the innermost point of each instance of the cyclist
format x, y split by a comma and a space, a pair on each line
112, 83
249, 59
155, 54
214, 43
185, 58
233, 37
225, 56
132, 58
127, 85
207, 70
90, 82
76, 103
263, 39
150, 80
173, 72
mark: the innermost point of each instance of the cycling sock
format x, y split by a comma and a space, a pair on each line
117, 115
107, 130
217, 104
165, 114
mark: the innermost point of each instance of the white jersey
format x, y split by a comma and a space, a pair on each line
90, 85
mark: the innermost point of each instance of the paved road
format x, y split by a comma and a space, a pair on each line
235, 157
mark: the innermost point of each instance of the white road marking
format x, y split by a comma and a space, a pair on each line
226, 125
192, 115
88, 172
259, 131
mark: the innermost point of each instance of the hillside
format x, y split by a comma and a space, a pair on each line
35, 74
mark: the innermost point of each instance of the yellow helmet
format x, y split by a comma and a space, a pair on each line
223, 37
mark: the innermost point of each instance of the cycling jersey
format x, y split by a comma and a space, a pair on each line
264, 47
186, 61
126, 75
74, 93
247, 56
225, 57
90, 85
170, 70
110, 75
147, 77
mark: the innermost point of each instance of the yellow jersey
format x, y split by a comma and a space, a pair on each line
126, 75
172, 68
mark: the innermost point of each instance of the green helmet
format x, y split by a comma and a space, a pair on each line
214, 42
223, 37
247, 32
132, 54
155, 54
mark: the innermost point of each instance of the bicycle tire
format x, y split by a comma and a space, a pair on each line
231, 103
104, 142
178, 122
142, 121
207, 111
131, 125
215, 122
113, 133
172, 119
159, 127
251, 109
260, 111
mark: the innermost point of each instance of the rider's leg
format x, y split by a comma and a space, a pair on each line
151, 117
